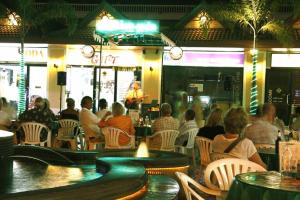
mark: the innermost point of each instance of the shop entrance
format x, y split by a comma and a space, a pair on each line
283, 90
104, 82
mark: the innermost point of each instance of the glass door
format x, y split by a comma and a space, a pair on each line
107, 85
79, 83
37, 83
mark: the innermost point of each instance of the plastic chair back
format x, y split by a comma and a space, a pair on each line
205, 149
112, 135
224, 170
32, 131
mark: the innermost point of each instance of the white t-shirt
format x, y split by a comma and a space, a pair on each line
244, 149
89, 122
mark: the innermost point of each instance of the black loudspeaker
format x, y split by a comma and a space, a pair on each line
61, 78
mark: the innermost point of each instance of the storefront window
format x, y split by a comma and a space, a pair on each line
9, 80
37, 83
79, 83
222, 86
107, 86
125, 79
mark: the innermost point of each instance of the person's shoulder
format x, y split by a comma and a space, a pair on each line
247, 142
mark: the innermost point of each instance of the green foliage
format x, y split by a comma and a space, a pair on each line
255, 16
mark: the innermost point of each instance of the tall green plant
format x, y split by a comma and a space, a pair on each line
29, 18
256, 16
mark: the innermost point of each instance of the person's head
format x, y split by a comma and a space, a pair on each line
87, 102
213, 106
39, 103
117, 109
70, 103
102, 104
189, 115
269, 112
4, 101
166, 109
214, 117
135, 86
235, 120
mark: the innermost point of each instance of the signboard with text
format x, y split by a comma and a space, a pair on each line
206, 59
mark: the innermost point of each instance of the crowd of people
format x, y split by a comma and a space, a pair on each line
235, 133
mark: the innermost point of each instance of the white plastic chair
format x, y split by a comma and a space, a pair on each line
224, 170
112, 135
168, 138
66, 132
32, 131
205, 149
190, 192
189, 148
217, 156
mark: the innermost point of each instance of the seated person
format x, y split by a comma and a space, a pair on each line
165, 122
70, 112
120, 121
295, 124
5, 120
189, 123
89, 121
213, 125
231, 142
103, 108
39, 114
262, 130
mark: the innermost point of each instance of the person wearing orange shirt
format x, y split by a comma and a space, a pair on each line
120, 121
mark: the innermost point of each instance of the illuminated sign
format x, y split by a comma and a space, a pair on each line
285, 60
115, 27
206, 59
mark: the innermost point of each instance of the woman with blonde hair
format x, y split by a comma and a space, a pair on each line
213, 125
120, 121
231, 142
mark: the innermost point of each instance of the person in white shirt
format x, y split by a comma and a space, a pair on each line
235, 121
103, 109
189, 123
262, 131
88, 120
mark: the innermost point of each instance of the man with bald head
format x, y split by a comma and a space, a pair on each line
262, 131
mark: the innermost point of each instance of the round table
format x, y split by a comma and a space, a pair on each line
268, 185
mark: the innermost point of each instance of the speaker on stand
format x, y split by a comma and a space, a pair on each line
61, 81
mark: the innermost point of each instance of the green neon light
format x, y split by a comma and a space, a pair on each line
106, 27
21, 87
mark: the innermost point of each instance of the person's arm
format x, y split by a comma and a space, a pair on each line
132, 130
103, 122
256, 158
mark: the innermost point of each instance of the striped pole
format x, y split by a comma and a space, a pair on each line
253, 93
21, 87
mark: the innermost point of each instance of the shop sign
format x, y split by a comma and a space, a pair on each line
206, 59
116, 27
11, 54
285, 60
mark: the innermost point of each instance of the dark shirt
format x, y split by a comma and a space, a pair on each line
45, 117
69, 114
210, 132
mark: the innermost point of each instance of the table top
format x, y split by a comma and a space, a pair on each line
270, 180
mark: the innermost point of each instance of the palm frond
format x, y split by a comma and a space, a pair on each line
282, 33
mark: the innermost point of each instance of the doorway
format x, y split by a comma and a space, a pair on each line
283, 90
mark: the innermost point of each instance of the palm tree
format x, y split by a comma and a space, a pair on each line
28, 17
256, 16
